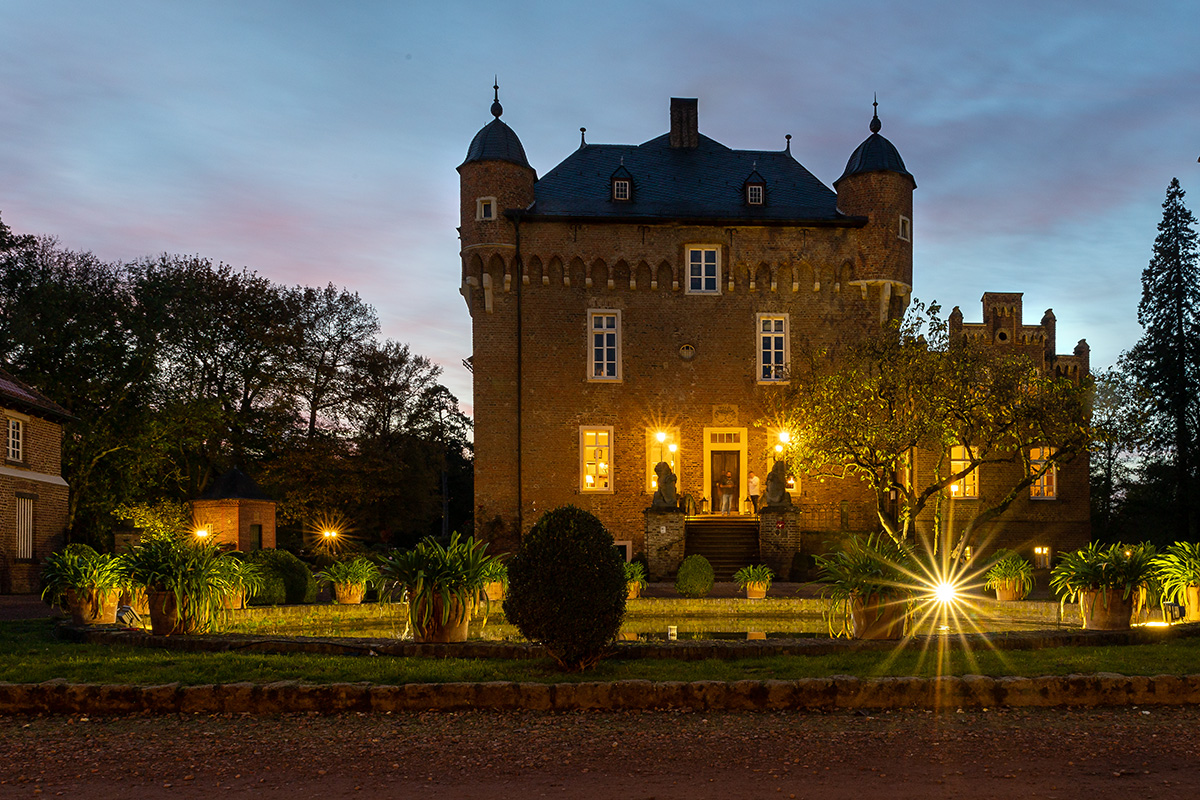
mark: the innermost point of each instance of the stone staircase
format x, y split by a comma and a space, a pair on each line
729, 543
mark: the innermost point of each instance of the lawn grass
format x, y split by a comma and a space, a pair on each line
30, 653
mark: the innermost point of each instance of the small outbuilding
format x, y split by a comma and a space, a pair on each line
234, 511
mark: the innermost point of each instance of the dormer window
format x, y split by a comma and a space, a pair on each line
621, 183
485, 208
755, 188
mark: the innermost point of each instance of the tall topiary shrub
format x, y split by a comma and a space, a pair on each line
695, 577
285, 579
566, 587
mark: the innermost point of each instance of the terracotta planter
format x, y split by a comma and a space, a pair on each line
1009, 591
455, 629
634, 590
92, 606
165, 616
1191, 604
878, 616
1105, 610
756, 591
234, 601
348, 594
495, 591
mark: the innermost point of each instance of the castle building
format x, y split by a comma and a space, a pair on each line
629, 306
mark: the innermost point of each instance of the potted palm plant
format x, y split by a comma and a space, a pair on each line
1178, 572
635, 579
496, 580
350, 578
869, 581
245, 579
755, 580
185, 582
442, 585
1105, 581
1010, 576
88, 583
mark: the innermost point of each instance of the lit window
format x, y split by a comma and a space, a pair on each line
904, 471
16, 439
662, 444
24, 549
595, 460
604, 344
967, 486
620, 190
1041, 558
1045, 487
905, 228
772, 347
704, 270
485, 208
754, 194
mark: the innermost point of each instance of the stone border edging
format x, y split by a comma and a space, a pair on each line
808, 694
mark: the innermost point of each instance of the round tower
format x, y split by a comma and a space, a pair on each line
876, 185
494, 178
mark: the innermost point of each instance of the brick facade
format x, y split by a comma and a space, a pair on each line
689, 363
31, 489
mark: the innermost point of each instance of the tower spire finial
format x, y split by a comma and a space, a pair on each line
497, 109
875, 123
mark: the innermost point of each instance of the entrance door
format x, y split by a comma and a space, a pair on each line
725, 461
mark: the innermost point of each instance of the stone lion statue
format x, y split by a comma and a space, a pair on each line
664, 497
777, 495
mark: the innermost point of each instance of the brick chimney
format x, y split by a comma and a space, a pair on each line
685, 125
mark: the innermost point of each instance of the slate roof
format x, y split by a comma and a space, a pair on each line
875, 154
496, 142
234, 485
703, 183
20, 396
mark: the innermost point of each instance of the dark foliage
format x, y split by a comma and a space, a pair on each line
286, 579
566, 587
695, 577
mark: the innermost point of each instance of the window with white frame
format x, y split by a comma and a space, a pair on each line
905, 228
1046, 486
604, 345
772, 347
24, 548
595, 459
754, 194
485, 208
16, 439
704, 270
967, 487
620, 189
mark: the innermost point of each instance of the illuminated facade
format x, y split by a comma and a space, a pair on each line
629, 306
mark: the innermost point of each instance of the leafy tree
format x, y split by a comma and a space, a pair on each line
859, 411
1121, 411
1167, 357
334, 325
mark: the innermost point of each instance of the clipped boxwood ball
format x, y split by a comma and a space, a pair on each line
286, 579
695, 577
566, 587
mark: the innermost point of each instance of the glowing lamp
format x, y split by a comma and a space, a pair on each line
785, 437
329, 534
945, 592
661, 436
201, 532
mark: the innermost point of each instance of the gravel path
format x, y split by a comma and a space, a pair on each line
1036, 753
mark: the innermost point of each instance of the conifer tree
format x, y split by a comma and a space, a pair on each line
1169, 351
